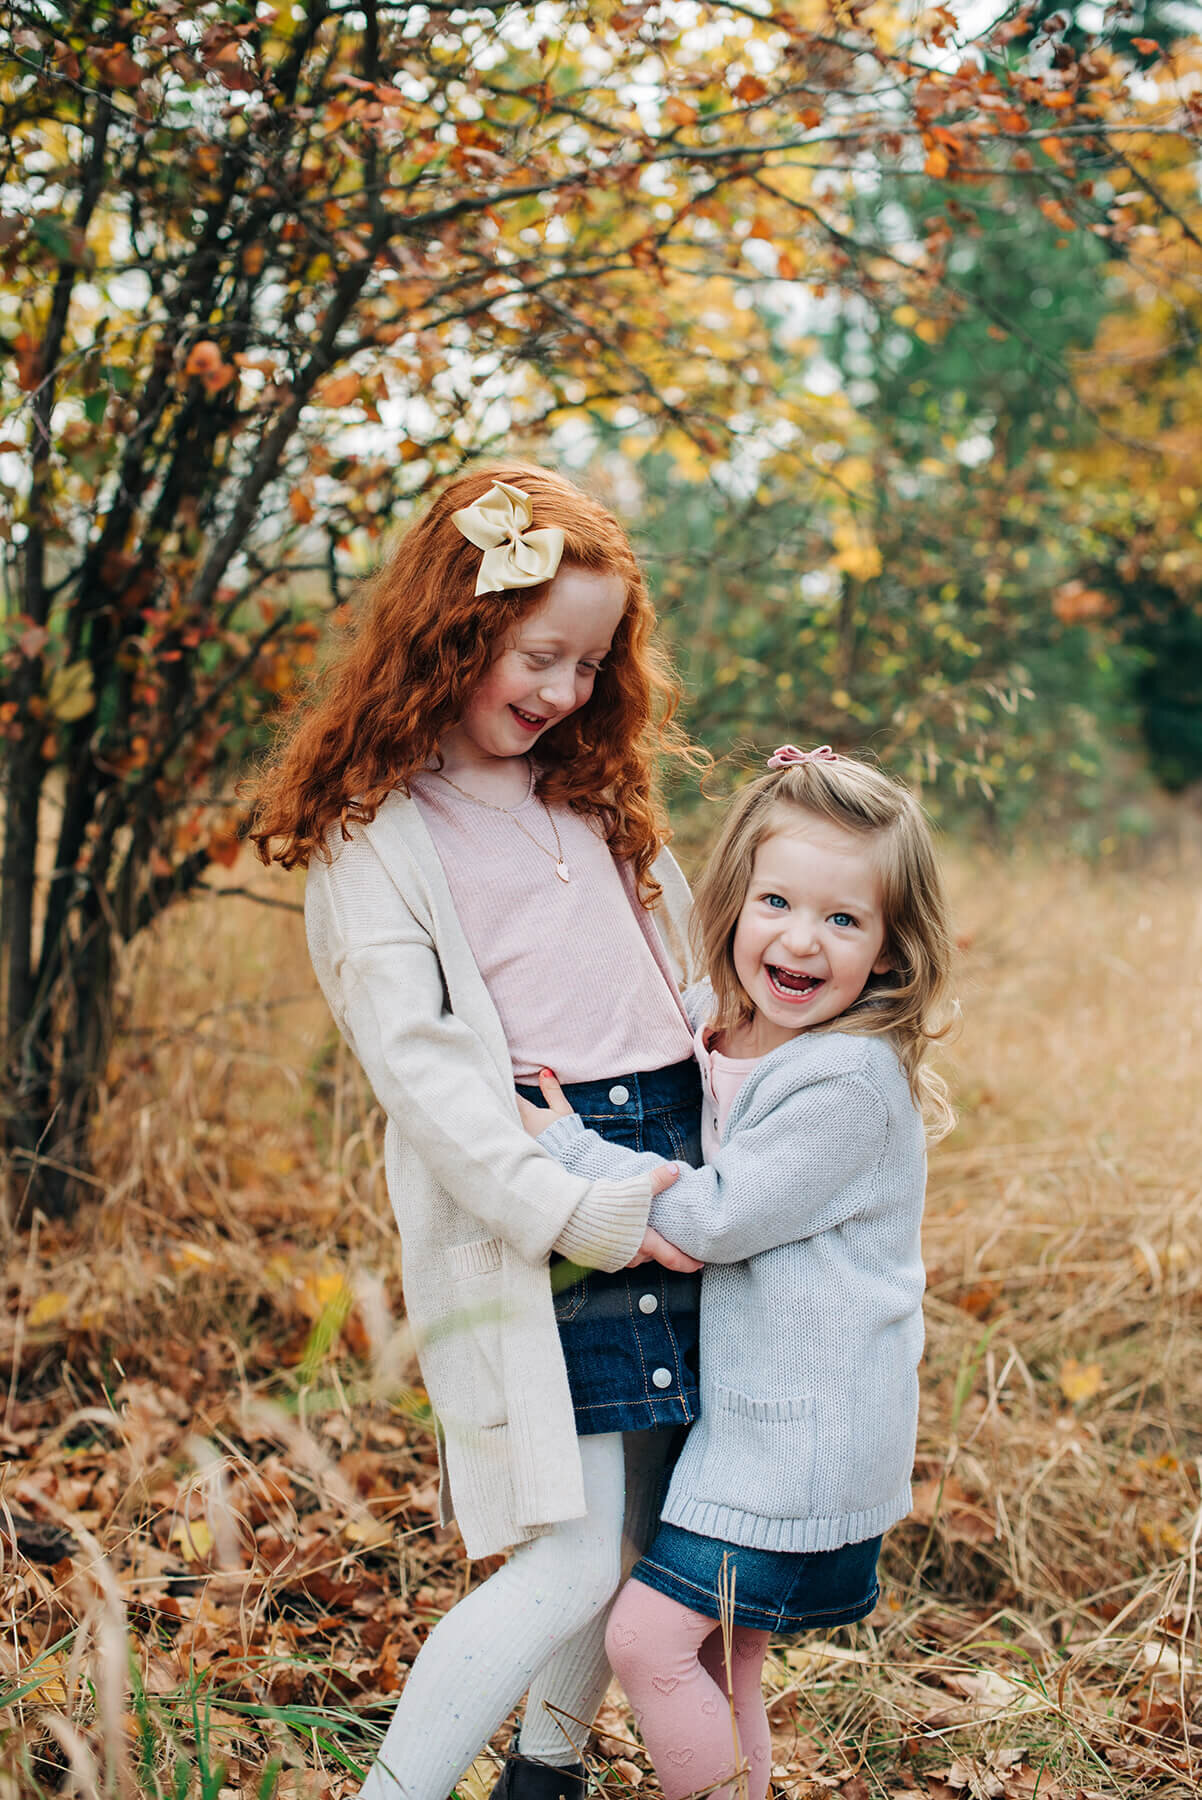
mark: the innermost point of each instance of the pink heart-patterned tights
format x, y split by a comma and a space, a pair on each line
699, 1728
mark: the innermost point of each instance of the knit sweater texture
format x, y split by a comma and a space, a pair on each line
480, 1205
809, 1222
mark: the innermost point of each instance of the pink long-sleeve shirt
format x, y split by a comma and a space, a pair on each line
575, 969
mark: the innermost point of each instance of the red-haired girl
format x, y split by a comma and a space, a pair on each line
471, 790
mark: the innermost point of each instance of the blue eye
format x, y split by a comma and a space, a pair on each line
775, 900
843, 919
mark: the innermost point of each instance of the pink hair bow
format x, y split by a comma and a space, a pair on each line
788, 754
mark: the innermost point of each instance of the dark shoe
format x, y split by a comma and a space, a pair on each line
524, 1778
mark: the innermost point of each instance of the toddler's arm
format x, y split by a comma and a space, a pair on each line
782, 1176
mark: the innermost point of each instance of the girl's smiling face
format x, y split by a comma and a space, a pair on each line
811, 930
543, 672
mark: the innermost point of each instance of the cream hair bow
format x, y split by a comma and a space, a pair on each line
514, 556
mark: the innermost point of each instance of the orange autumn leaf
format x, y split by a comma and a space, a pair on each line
206, 363
1074, 601
338, 392
1059, 215
118, 68
223, 848
28, 353
936, 164
679, 112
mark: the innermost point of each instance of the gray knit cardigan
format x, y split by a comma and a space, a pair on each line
808, 1220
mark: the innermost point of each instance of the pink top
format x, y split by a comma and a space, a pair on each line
575, 969
721, 1079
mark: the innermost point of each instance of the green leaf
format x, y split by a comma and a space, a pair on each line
94, 406
269, 1779
61, 239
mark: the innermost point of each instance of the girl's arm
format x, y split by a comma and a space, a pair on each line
785, 1176
437, 1082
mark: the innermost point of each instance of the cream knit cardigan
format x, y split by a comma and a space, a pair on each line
480, 1206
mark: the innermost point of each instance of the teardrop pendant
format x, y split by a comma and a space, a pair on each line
561, 869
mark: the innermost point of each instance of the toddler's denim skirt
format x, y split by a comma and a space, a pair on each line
630, 1339
781, 1591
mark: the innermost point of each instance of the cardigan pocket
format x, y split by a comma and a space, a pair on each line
475, 1323
758, 1455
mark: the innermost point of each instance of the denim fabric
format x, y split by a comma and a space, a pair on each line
774, 1590
615, 1341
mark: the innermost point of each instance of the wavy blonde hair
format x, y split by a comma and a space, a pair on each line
911, 1001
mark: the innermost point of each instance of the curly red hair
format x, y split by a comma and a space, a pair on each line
423, 644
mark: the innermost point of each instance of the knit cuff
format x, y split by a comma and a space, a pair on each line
556, 1140
607, 1228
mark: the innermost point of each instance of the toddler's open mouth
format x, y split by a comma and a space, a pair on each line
790, 985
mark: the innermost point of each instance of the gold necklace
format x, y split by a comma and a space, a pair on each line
556, 855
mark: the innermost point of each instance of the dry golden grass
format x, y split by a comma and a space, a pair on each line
205, 1391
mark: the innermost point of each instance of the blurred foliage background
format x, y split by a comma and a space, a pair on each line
878, 324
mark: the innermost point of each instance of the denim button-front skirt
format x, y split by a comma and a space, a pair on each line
630, 1339
782, 1591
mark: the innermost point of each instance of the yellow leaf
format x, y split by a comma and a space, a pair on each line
48, 1685
1079, 1381
372, 1534
855, 475
928, 331
936, 164
318, 1292
70, 696
47, 1307
1158, 1534
906, 316
194, 1538
191, 1256
861, 561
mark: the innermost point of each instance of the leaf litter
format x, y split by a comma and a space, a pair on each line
220, 1474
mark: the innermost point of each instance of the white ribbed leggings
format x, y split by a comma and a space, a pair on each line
537, 1624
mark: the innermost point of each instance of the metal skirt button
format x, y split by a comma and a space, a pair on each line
648, 1303
619, 1094
661, 1378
